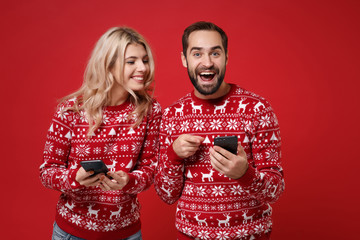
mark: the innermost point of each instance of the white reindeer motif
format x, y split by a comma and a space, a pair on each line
196, 107
242, 105
70, 206
226, 221
91, 211
180, 110
247, 217
116, 213
166, 190
200, 221
112, 166
267, 211
208, 176
221, 107
258, 105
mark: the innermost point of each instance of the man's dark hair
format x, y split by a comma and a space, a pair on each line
203, 26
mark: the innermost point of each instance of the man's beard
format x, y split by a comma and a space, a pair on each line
206, 89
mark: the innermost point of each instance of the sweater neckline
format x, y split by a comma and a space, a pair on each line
215, 100
118, 107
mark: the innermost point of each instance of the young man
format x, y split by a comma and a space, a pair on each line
221, 195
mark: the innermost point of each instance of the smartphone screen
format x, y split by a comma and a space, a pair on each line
98, 166
229, 143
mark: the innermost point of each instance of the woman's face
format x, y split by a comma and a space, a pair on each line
136, 67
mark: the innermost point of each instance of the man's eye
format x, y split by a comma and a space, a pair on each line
197, 54
215, 54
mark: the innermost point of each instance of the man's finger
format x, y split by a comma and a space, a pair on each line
194, 139
223, 152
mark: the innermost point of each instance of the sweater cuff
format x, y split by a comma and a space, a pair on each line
173, 157
248, 178
131, 183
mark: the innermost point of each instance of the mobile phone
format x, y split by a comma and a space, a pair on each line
98, 166
229, 143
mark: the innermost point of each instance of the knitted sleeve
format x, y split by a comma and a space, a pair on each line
169, 178
264, 177
142, 176
55, 172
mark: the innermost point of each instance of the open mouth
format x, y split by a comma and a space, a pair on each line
207, 76
138, 78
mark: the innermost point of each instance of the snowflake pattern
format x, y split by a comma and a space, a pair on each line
215, 124
184, 126
91, 225
169, 128
110, 227
110, 148
218, 191
222, 235
48, 147
121, 117
204, 234
265, 121
272, 155
199, 125
76, 219
232, 124
82, 150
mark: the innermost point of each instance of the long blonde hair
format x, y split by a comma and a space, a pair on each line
94, 94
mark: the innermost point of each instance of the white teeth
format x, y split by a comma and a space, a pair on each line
138, 78
206, 73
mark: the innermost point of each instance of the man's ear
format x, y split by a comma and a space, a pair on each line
227, 58
183, 59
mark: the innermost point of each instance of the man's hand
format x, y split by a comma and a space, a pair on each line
186, 145
231, 165
120, 179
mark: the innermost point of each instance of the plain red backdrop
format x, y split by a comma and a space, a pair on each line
302, 55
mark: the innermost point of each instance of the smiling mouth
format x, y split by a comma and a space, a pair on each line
138, 78
207, 76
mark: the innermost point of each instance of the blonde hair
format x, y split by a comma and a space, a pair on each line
94, 94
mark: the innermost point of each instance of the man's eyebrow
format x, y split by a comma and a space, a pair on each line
200, 48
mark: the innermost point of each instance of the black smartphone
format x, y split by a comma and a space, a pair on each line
98, 166
229, 143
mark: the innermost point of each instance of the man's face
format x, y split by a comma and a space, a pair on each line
205, 61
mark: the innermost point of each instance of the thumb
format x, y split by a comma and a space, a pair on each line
241, 151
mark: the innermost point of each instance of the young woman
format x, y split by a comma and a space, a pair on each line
112, 118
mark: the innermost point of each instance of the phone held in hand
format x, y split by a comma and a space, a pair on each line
229, 143
98, 166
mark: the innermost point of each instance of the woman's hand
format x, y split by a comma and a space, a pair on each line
84, 178
118, 181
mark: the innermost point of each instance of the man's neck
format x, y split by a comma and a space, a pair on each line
222, 91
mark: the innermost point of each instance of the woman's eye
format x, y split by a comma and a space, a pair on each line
146, 61
130, 62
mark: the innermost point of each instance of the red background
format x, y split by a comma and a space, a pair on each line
302, 55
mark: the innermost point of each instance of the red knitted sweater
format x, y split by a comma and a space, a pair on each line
211, 205
89, 212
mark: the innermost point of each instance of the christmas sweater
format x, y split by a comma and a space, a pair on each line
89, 212
211, 205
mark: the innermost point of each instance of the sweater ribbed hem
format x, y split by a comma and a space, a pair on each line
95, 235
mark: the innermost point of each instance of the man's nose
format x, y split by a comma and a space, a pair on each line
207, 61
